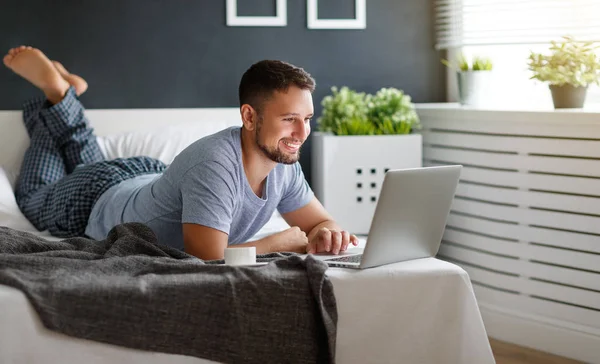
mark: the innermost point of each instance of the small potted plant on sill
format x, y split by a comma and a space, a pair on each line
474, 79
570, 68
359, 138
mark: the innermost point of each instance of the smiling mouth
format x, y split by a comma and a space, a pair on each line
291, 146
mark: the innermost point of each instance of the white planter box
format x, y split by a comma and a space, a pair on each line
347, 172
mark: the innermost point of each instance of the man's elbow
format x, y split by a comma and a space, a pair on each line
204, 254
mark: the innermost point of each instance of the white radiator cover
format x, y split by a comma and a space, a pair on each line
347, 172
525, 223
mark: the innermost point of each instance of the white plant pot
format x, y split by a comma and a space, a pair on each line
568, 96
474, 87
347, 172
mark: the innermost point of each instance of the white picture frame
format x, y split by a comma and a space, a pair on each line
313, 21
279, 20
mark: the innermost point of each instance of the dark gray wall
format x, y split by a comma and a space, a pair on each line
180, 53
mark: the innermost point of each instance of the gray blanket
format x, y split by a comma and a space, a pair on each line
128, 290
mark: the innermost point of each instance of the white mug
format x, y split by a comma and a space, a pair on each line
240, 256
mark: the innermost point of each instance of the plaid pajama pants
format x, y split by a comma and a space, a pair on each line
64, 172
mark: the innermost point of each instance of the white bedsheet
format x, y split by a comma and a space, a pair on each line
421, 311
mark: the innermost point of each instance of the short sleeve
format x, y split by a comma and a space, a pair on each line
296, 191
208, 196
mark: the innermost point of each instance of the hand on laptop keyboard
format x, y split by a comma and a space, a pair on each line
330, 241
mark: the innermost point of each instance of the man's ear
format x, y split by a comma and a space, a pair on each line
249, 117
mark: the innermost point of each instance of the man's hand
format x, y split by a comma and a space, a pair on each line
289, 240
333, 241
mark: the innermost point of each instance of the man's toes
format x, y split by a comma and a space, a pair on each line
16, 50
6, 60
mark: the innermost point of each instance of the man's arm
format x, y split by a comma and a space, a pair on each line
324, 234
209, 244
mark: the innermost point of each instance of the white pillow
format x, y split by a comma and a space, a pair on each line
163, 144
10, 214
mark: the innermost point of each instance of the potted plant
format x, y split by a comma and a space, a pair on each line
569, 69
474, 79
359, 138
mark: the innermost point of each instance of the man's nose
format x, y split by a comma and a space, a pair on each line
301, 131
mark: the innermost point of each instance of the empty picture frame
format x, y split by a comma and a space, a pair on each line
359, 22
279, 20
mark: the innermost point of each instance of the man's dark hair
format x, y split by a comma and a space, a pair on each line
265, 77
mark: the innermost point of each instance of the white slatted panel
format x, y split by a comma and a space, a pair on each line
559, 220
570, 166
487, 243
568, 147
567, 276
562, 275
531, 287
525, 223
544, 254
562, 257
564, 239
580, 319
553, 201
544, 182
493, 262
528, 269
523, 285
498, 280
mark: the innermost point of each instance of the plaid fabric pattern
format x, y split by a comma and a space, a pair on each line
64, 172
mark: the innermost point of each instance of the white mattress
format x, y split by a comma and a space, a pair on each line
420, 311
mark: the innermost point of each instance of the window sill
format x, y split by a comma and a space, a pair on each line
590, 115
593, 108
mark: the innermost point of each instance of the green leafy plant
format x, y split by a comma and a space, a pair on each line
482, 64
462, 64
392, 112
344, 111
570, 62
347, 112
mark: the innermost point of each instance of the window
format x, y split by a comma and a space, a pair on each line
506, 31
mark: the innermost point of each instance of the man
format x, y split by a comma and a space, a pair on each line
219, 191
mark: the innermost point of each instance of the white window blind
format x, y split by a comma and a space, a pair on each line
493, 22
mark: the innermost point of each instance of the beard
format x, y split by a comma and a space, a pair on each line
274, 153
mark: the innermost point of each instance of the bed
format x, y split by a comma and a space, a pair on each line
421, 311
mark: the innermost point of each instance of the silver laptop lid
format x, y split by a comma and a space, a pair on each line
411, 214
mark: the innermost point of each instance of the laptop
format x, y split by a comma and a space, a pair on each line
409, 220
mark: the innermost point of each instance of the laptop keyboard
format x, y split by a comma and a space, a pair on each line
347, 259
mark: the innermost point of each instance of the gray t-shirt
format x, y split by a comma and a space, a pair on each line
205, 185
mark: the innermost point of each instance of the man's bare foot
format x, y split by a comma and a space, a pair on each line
76, 81
33, 65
